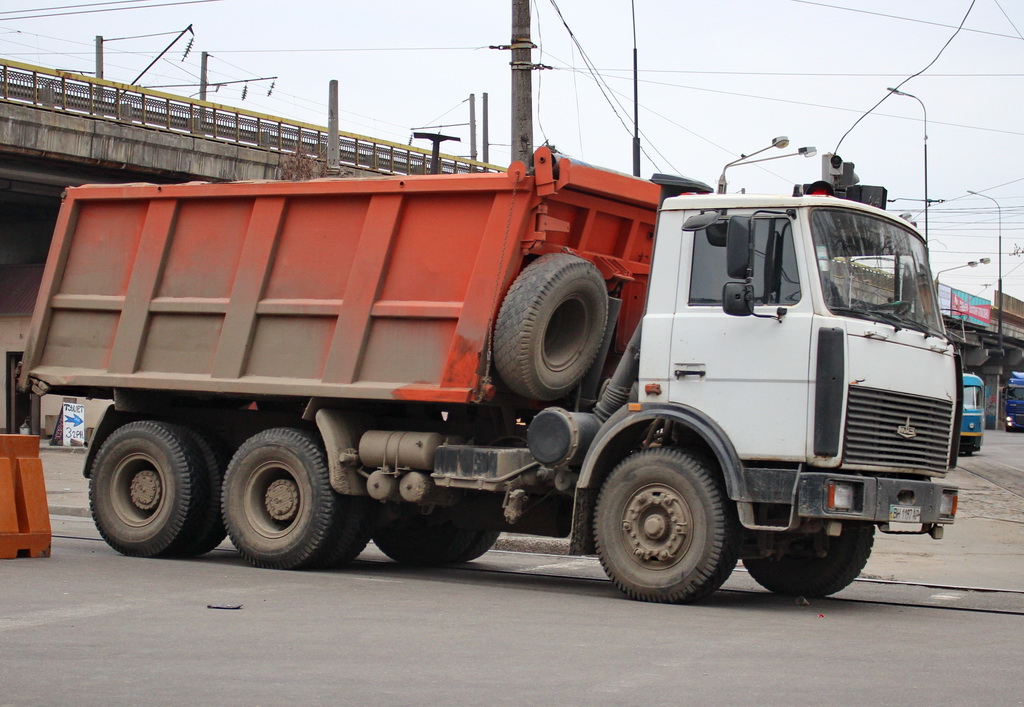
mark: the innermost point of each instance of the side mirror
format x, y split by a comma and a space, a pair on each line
700, 221
738, 247
738, 299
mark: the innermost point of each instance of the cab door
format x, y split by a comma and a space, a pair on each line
751, 375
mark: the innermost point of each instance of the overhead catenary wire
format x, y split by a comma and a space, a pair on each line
110, 9
906, 19
904, 81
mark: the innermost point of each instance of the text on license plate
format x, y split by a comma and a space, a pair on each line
905, 514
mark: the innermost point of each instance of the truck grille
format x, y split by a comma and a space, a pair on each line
884, 428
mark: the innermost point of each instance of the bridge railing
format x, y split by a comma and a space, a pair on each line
53, 89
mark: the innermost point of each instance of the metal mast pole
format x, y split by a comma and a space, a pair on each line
486, 136
472, 126
636, 103
99, 56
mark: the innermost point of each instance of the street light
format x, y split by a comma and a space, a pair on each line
781, 142
999, 275
925, 110
968, 264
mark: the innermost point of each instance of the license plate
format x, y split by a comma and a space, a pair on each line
905, 514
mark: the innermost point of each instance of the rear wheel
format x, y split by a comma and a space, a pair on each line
147, 489
801, 572
664, 528
417, 541
209, 528
280, 510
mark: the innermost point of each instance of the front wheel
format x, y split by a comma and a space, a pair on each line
664, 528
801, 572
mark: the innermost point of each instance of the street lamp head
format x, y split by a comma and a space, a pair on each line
781, 142
807, 151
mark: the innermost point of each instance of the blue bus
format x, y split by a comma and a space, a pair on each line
1015, 402
973, 426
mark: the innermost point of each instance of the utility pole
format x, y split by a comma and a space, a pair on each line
522, 83
333, 139
485, 137
99, 56
202, 75
472, 126
636, 103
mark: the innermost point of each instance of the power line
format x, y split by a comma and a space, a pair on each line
71, 7
804, 103
109, 9
351, 49
905, 19
904, 81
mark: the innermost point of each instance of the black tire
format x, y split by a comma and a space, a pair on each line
801, 573
147, 489
209, 530
664, 528
417, 541
550, 326
280, 510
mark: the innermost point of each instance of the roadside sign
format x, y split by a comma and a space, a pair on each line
73, 423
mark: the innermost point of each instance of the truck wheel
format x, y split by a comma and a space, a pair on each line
279, 507
147, 488
664, 528
416, 542
802, 573
550, 326
209, 528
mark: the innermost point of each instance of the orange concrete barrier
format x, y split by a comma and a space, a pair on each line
24, 515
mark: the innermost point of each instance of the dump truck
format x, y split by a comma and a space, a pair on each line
670, 379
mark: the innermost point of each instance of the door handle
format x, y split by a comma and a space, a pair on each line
690, 369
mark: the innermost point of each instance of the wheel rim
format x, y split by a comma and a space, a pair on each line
568, 326
657, 527
273, 500
138, 490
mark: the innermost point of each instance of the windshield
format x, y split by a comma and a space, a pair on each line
1014, 393
873, 269
973, 395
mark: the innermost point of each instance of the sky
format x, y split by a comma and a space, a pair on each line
717, 80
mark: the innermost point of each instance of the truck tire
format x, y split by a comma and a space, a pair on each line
417, 542
147, 489
550, 326
664, 529
280, 510
209, 529
801, 573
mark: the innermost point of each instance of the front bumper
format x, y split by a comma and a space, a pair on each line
874, 498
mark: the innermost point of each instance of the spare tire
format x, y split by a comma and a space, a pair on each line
550, 326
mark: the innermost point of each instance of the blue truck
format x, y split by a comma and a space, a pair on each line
972, 426
1015, 402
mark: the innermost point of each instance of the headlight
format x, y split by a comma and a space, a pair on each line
840, 496
948, 503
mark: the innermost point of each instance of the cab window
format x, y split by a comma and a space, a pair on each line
775, 272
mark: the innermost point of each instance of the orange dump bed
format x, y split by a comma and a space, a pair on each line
352, 288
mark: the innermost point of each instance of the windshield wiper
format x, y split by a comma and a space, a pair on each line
891, 318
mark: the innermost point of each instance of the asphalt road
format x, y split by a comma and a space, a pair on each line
90, 627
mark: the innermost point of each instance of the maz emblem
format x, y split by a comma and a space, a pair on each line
906, 431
